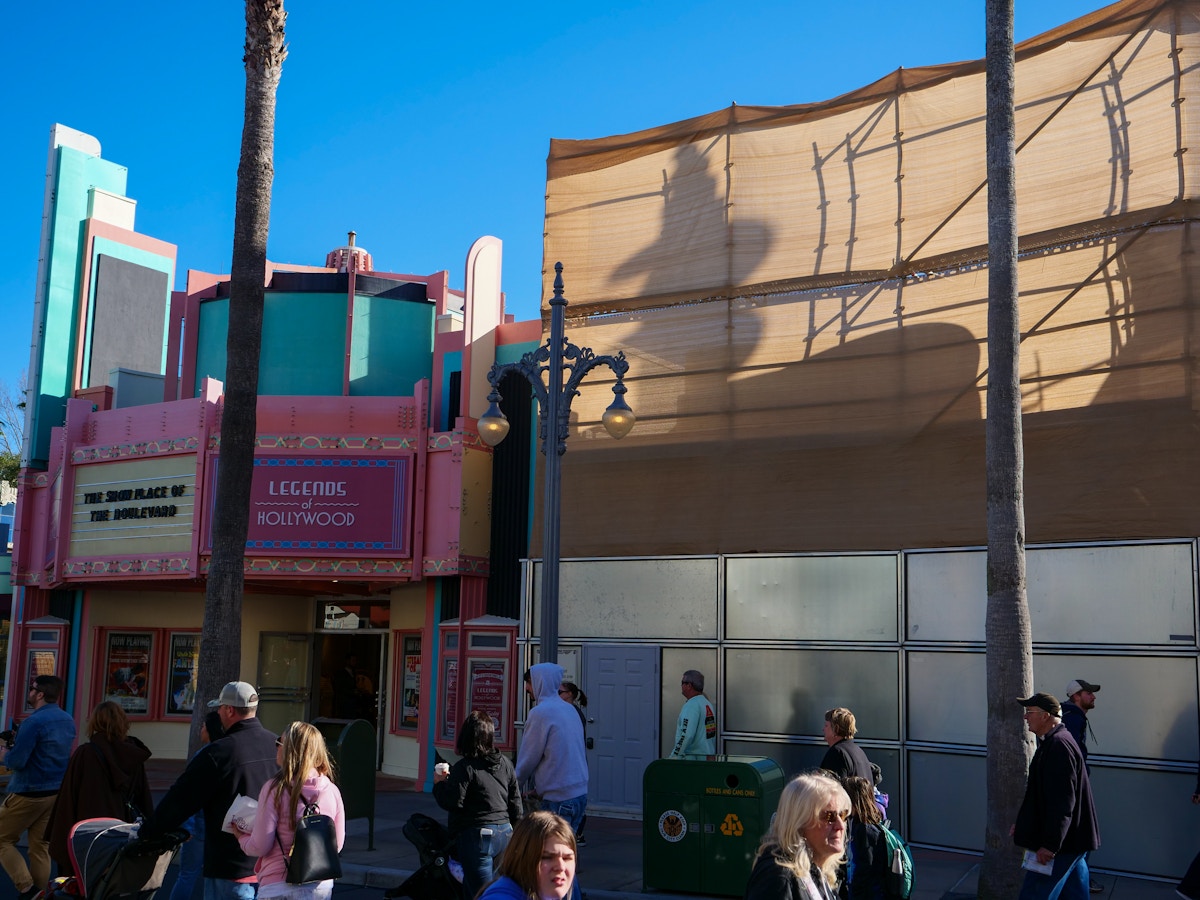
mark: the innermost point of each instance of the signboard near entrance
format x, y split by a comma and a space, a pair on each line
127, 670
450, 700
479, 676
410, 675
351, 505
488, 689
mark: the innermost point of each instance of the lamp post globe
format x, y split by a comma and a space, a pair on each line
546, 371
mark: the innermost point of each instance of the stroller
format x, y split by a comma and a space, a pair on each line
110, 861
435, 880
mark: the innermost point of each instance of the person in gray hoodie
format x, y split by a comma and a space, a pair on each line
552, 757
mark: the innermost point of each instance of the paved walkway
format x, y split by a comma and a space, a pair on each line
610, 864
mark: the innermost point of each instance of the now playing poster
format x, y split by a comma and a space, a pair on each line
331, 505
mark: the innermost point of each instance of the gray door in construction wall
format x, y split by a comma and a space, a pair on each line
622, 684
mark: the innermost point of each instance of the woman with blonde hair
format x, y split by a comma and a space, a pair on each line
798, 858
105, 778
303, 780
539, 862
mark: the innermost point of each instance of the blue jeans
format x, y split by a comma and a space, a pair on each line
222, 889
572, 810
191, 860
477, 851
1069, 880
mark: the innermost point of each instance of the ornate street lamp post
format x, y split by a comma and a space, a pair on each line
544, 369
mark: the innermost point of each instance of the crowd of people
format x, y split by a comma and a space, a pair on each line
516, 829
52, 788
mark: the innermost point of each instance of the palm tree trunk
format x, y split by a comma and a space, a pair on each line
221, 637
1009, 647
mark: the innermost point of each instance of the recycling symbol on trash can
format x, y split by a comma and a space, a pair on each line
732, 826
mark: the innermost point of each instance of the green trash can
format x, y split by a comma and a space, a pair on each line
703, 819
352, 746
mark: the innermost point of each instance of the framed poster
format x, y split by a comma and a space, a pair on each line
450, 699
127, 670
38, 662
410, 681
184, 649
487, 680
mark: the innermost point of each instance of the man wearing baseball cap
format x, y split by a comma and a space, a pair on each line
1057, 819
239, 763
1081, 697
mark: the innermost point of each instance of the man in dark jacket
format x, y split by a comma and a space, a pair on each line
1057, 820
239, 763
1081, 697
844, 757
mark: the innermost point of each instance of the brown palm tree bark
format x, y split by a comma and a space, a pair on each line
1009, 647
221, 637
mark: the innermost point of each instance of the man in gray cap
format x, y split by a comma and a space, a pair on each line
1081, 697
239, 763
1057, 820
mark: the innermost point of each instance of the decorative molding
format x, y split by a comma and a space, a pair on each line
346, 568
323, 442
473, 440
457, 565
141, 448
165, 565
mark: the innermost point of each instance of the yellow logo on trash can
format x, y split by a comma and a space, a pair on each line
732, 826
672, 825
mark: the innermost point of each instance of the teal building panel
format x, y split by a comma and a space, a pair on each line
391, 346
302, 344
301, 351
210, 341
76, 173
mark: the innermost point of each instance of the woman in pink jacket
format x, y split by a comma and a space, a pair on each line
303, 779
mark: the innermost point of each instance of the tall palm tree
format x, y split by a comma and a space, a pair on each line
221, 637
1009, 647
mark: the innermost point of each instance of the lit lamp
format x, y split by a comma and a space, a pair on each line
554, 394
618, 419
493, 424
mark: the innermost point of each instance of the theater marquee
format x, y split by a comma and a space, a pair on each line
133, 508
327, 505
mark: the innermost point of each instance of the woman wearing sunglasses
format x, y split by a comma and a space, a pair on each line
798, 858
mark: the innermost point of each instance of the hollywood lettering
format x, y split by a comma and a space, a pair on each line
339, 505
320, 517
306, 515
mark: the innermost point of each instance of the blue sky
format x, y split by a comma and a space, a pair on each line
420, 126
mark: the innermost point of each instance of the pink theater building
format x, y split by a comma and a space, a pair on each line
370, 539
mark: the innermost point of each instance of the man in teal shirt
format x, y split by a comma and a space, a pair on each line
696, 731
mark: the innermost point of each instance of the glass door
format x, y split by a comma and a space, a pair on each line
283, 679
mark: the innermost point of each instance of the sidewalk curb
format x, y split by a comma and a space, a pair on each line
383, 878
372, 876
